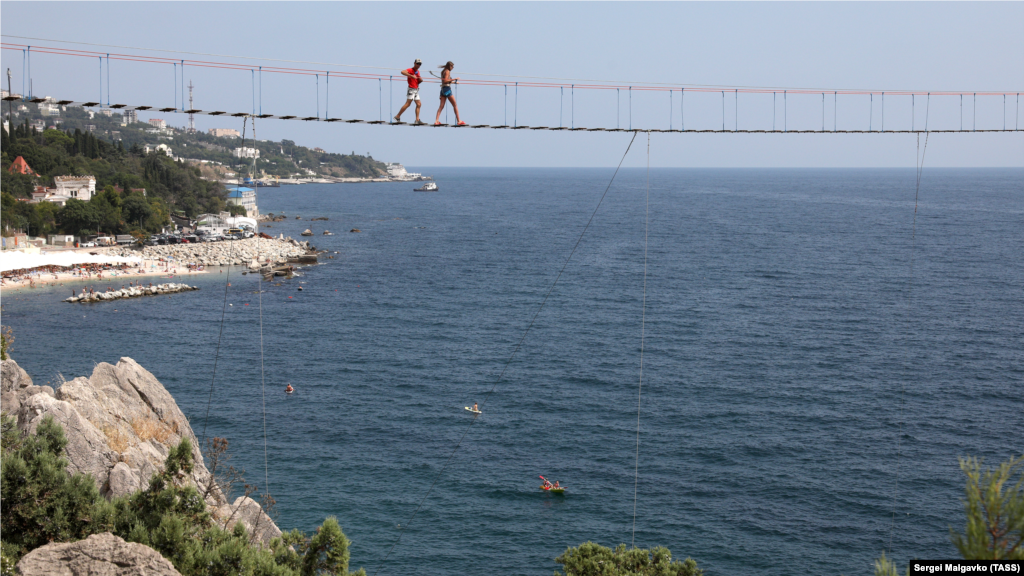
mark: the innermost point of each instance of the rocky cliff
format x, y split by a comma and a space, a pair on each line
120, 424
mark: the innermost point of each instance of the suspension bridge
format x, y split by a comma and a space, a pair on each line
675, 98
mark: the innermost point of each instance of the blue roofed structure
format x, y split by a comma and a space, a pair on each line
244, 197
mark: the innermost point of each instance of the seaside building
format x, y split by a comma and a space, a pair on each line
244, 197
80, 187
129, 117
160, 124
224, 133
398, 172
244, 152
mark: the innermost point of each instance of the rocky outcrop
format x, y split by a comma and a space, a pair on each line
121, 424
133, 292
98, 555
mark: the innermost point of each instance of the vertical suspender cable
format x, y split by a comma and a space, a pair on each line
505, 123
380, 102
682, 104
572, 107
327, 98
261, 93
822, 111
961, 112
927, 107
617, 108
912, 117
643, 325
108, 91
29, 73
1004, 100
252, 75
871, 112
630, 107
175, 64
785, 111
1016, 110
774, 106
835, 110
23, 74
183, 89
974, 114
515, 108
736, 98
101, 79
391, 96
883, 111
723, 110
670, 109
561, 101
317, 76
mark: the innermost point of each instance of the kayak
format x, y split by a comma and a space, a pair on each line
553, 490
473, 411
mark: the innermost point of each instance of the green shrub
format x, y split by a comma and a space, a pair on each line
43, 504
591, 559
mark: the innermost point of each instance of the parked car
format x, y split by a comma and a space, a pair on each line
248, 234
87, 244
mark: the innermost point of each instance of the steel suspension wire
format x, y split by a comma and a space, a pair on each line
507, 362
643, 320
919, 166
223, 313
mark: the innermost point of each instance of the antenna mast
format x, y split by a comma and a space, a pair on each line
191, 116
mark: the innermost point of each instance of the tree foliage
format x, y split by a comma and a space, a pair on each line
590, 559
42, 503
994, 507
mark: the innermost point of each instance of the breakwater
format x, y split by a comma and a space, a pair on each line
133, 292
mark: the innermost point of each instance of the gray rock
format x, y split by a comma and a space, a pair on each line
249, 513
13, 377
98, 555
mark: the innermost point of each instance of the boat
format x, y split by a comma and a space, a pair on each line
428, 187
559, 490
473, 411
328, 233
306, 232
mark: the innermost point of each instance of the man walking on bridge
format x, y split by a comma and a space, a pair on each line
413, 93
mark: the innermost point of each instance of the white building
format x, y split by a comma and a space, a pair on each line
244, 197
165, 149
247, 152
80, 187
129, 117
397, 171
158, 123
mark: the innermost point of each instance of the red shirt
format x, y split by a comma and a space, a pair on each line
415, 79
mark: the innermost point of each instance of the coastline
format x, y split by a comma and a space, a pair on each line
151, 268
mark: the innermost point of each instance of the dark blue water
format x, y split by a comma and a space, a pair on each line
784, 321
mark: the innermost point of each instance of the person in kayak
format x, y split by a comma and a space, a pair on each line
289, 389
547, 484
446, 93
556, 484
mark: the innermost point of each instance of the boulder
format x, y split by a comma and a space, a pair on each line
121, 424
98, 555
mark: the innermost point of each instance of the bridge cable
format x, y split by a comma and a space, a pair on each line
643, 319
263, 374
919, 165
509, 361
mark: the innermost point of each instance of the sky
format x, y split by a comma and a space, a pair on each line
943, 46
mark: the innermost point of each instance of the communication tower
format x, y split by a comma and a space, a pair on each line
191, 116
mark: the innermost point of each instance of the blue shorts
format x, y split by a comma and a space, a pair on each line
446, 91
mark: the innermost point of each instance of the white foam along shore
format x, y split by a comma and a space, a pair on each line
132, 292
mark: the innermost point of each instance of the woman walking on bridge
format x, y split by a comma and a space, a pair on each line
446, 93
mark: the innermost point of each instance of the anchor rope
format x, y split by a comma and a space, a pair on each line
507, 362
643, 320
919, 165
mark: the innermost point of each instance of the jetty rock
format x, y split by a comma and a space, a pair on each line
121, 423
98, 555
132, 292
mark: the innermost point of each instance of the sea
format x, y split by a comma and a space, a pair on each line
771, 371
